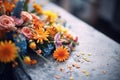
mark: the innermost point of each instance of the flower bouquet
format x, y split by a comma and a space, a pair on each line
22, 33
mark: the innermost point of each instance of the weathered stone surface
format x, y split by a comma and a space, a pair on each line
105, 54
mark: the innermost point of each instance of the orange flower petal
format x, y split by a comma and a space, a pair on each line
61, 54
8, 51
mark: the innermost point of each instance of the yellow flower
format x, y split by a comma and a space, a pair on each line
61, 54
52, 31
8, 51
37, 8
40, 35
27, 60
51, 16
32, 45
61, 29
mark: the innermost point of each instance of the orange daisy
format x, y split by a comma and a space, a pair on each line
37, 8
9, 6
8, 51
36, 21
52, 31
40, 35
61, 54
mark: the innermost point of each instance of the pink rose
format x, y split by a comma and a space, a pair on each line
7, 23
35, 16
26, 32
26, 16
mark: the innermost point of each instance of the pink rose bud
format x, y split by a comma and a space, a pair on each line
26, 32
76, 39
26, 16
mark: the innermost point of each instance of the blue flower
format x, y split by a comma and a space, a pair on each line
20, 41
48, 50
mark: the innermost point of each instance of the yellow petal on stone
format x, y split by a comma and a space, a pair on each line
89, 54
69, 67
85, 58
71, 78
86, 72
82, 53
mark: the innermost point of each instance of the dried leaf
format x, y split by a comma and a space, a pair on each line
62, 69
79, 60
104, 71
89, 54
78, 55
57, 76
76, 65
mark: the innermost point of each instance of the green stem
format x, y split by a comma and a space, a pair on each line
21, 62
43, 57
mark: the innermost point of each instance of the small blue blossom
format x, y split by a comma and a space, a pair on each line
48, 50
20, 41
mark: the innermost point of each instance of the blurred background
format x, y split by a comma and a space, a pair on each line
104, 15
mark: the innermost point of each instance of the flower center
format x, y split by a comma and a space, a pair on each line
6, 51
61, 54
6, 22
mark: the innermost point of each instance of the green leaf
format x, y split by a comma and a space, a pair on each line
25, 7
